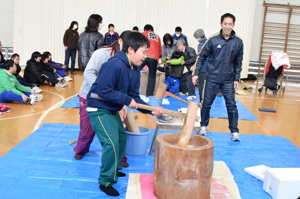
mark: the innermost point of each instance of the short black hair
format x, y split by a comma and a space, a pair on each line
167, 37
47, 53
178, 29
135, 40
109, 25
8, 64
15, 55
148, 27
44, 57
176, 54
135, 28
72, 24
227, 15
35, 55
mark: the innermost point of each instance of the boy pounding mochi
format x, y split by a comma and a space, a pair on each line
117, 85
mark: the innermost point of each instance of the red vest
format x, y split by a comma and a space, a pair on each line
155, 45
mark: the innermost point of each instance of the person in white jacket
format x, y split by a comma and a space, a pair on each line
86, 133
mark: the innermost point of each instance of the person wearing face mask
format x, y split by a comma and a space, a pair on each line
70, 42
90, 40
178, 35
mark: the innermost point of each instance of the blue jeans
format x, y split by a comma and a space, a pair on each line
70, 53
9, 96
172, 81
210, 93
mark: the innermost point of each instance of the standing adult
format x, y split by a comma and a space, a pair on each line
70, 42
111, 35
152, 59
178, 35
200, 36
186, 84
168, 48
90, 40
225, 52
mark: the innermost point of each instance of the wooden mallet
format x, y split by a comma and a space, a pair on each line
188, 124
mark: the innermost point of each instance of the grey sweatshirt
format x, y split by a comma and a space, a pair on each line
92, 69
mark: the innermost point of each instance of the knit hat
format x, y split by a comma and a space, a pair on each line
199, 33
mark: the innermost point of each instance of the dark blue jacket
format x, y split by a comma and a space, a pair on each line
109, 39
117, 83
224, 58
203, 68
182, 36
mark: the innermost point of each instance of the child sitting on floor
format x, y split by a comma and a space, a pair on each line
175, 69
12, 90
59, 67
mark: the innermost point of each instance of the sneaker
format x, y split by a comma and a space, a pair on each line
4, 109
193, 97
73, 73
181, 93
235, 137
37, 97
78, 156
67, 78
60, 78
30, 101
36, 89
60, 85
124, 164
161, 69
203, 130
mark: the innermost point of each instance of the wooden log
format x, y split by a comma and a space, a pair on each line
168, 112
161, 90
174, 96
131, 123
188, 124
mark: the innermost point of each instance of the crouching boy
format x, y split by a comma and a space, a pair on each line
117, 85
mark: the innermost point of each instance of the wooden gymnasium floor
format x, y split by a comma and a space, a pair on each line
23, 119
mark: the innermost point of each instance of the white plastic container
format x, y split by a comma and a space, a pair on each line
282, 183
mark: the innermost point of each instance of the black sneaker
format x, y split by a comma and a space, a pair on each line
109, 190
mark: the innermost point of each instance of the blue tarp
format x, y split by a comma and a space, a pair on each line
43, 165
218, 109
72, 103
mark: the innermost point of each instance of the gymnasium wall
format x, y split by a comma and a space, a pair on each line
40, 24
6, 22
258, 23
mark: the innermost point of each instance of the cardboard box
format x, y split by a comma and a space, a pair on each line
282, 183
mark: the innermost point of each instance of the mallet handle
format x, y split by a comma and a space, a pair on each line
166, 111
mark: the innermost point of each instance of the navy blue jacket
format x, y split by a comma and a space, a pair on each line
224, 58
117, 83
109, 39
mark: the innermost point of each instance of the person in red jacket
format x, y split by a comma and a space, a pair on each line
152, 59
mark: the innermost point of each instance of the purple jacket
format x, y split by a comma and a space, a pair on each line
55, 65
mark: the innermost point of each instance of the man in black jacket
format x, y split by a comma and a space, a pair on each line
224, 52
186, 84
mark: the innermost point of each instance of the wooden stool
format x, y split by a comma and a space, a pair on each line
176, 125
